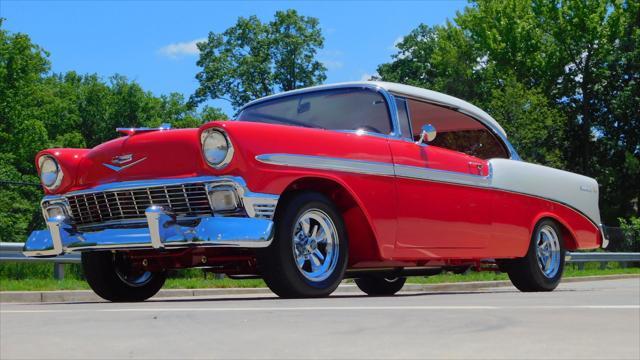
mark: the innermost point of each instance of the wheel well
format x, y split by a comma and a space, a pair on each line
362, 240
568, 237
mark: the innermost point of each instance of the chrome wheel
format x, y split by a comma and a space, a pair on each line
315, 245
548, 251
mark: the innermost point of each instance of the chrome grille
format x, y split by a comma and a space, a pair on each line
129, 204
264, 211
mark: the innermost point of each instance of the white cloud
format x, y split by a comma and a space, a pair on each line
366, 76
332, 64
331, 59
397, 41
178, 49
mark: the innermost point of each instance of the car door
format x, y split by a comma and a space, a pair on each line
443, 201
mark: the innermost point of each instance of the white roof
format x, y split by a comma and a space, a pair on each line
412, 92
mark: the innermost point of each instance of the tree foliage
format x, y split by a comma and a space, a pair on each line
562, 76
40, 110
253, 59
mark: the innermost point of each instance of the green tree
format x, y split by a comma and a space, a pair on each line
575, 61
40, 110
253, 59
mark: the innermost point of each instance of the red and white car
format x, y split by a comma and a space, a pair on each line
368, 180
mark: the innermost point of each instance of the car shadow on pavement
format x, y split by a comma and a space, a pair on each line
273, 298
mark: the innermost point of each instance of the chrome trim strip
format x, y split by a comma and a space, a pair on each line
414, 172
402, 171
373, 168
328, 163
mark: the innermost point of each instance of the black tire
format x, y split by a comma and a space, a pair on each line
380, 285
277, 262
106, 272
525, 273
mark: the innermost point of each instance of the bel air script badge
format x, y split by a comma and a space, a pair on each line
123, 159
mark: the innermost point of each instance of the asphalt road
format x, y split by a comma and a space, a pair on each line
588, 320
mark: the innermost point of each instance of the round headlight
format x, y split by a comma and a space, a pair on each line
217, 148
50, 172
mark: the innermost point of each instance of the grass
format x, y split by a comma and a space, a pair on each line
194, 279
492, 276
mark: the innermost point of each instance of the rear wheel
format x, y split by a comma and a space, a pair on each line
110, 276
541, 269
380, 285
308, 255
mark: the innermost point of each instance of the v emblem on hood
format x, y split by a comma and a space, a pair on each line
122, 159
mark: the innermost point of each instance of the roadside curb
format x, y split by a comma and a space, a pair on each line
88, 295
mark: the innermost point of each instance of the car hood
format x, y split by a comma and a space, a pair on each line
158, 154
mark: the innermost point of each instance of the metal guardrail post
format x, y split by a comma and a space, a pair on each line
58, 271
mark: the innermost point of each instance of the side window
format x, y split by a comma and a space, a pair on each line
403, 117
339, 109
456, 131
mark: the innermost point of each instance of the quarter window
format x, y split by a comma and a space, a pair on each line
456, 131
338, 109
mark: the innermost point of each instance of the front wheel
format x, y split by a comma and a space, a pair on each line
110, 276
380, 285
541, 269
308, 255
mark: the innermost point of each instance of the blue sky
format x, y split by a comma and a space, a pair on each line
153, 42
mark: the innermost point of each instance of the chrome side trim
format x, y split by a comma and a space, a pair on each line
328, 163
414, 172
505, 182
373, 168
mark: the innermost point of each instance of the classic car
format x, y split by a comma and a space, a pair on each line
373, 181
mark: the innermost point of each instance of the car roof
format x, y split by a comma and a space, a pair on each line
406, 91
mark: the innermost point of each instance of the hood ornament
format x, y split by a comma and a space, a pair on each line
133, 131
122, 159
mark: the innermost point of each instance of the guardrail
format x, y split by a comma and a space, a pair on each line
13, 252
583, 257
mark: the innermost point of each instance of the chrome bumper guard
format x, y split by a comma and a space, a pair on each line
163, 229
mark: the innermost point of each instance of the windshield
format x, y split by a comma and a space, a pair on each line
337, 109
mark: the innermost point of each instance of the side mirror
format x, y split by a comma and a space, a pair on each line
427, 134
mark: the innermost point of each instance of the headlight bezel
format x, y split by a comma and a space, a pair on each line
59, 174
209, 133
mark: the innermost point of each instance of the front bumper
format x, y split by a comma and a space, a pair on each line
161, 228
